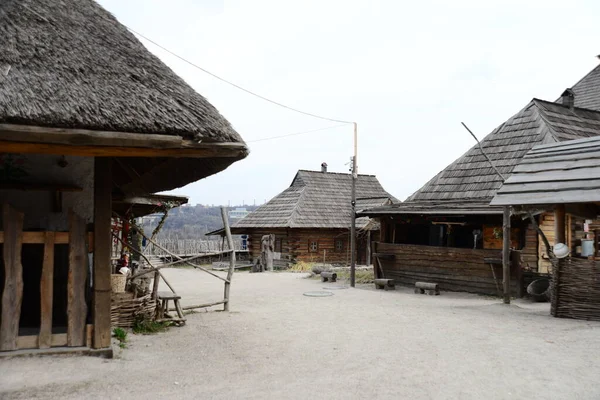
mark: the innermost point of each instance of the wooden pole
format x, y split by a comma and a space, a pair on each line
506, 254
559, 224
368, 247
231, 259
102, 250
353, 212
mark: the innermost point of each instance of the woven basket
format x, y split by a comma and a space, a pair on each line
539, 290
124, 309
118, 282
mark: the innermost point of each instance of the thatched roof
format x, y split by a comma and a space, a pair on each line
557, 173
140, 206
317, 200
587, 90
469, 183
71, 64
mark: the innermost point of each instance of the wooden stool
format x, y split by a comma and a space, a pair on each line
328, 276
164, 298
431, 289
386, 284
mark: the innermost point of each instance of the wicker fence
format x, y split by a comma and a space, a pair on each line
576, 289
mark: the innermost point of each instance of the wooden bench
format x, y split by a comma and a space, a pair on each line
163, 314
385, 284
328, 276
427, 287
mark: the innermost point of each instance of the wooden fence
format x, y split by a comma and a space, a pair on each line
454, 269
12, 238
187, 247
576, 289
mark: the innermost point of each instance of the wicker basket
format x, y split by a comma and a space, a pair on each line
118, 282
539, 290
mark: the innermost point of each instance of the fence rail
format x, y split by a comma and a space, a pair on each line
184, 247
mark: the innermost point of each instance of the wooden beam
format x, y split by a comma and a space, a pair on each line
31, 341
506, 255
102, 250
204, 150
559, 224
78, 267
46, 293
12, 296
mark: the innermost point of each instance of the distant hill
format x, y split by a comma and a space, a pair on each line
191, 222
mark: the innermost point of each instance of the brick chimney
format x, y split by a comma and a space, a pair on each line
324, 167
568, 98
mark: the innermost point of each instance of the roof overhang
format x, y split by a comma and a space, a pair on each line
433, 208
146, 204
143, 163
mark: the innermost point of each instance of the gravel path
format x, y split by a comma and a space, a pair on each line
359, 343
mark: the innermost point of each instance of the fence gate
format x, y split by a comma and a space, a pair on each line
76, 333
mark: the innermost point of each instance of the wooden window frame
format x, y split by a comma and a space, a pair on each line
310, 242
341, 249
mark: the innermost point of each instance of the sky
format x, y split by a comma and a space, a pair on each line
407, 72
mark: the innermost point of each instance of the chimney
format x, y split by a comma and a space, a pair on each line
568, 98
324, 167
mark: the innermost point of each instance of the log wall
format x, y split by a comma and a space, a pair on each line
454, 269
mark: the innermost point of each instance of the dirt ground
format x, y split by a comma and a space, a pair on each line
359, 343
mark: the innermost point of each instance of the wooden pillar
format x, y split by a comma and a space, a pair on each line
559, 224
12, 296
231, 260
506, 255
368, 260
102, 247
76, 288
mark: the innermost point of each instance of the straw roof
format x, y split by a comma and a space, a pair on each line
469, 183
70, 64
317, 200
567, 172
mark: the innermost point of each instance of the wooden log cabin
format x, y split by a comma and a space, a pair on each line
87, 115
564, 179
311, 218
447, 232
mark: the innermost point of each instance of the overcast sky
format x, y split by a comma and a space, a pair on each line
407, 72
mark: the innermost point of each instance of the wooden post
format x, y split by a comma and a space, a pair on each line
12, 296
231, 259
78, 271
368, 247
559, 224
102, 250
46, 293
506, 254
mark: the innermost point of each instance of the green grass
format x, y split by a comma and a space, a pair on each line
147, 327
121, 335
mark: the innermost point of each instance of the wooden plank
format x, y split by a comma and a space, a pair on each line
211, 150
47, 292
589, 173
40, 237
102, 252
78, 266
12, 296
31, 341
231, 260
506, 255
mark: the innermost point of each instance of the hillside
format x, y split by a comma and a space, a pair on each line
191, 222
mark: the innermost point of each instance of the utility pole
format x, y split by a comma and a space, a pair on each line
353, 212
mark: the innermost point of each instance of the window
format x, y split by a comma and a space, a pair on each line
339, 245
313, 246
278, 246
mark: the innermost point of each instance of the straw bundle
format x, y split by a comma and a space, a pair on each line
576, 289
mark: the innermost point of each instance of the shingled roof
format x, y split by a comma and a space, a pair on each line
469, 183
70, 64
317, 200
567, 172
587, 90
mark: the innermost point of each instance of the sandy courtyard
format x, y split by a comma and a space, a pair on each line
359, 343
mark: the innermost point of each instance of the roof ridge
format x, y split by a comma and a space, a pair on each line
554, 103
581, 80
333, 173
296, 206
545, 123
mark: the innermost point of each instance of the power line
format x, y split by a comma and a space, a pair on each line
295, 134
238, 86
